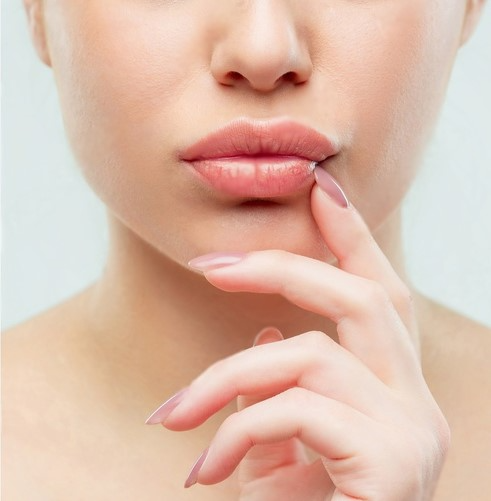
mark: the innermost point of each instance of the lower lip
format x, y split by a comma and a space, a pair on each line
257, 177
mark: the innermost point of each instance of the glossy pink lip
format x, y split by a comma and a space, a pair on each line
259, 159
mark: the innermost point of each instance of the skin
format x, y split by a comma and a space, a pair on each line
138, 81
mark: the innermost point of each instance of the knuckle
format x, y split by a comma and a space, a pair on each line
375, 292
278, 256
316, 345
315, 339
442, 431
436, 444
294, 397
282, 260
437, 430
289, 393
404, 294
402, 297
370, 294
235, 423
316, 351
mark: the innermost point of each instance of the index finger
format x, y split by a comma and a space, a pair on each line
352, 243
367, 322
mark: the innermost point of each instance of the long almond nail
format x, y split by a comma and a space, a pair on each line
216, 260
193, 475
163, 412
330, 186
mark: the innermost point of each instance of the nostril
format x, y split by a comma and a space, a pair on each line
234, 75
290, 76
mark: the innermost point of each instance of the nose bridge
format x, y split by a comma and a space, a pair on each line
261, 47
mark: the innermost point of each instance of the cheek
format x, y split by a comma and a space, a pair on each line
391, 70
120, 74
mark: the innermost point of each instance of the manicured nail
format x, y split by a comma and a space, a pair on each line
163, 412
216, 260
267, 335
193, 475
331, 187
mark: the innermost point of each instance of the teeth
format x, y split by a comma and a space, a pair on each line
312, 166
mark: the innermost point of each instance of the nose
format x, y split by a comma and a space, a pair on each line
259, 47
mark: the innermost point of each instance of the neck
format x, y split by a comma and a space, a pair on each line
153, 325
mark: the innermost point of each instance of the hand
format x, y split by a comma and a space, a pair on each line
362, 404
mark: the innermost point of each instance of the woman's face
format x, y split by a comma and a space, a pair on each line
139, 80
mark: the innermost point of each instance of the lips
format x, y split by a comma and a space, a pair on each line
259, 159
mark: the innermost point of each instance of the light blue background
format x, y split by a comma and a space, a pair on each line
54, 232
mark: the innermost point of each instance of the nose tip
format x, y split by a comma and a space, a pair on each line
261, 50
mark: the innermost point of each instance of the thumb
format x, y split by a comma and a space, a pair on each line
261, 460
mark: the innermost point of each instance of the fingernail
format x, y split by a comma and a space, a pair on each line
267, 335
193, 475
163, 412
216, 260
331, 187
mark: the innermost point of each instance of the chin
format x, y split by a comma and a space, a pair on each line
253, 227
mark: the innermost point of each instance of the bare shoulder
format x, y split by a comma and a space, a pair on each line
33, 349
456, 356
455, 348
62, 315
33, 357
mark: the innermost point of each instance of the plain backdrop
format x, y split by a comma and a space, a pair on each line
54, 238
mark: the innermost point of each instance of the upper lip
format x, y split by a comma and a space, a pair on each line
244, 137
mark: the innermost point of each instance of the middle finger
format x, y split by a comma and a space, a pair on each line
312, 361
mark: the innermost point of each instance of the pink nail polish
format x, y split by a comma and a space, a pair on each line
331, 187
193, 475
216, 260
163, 412
267, 335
